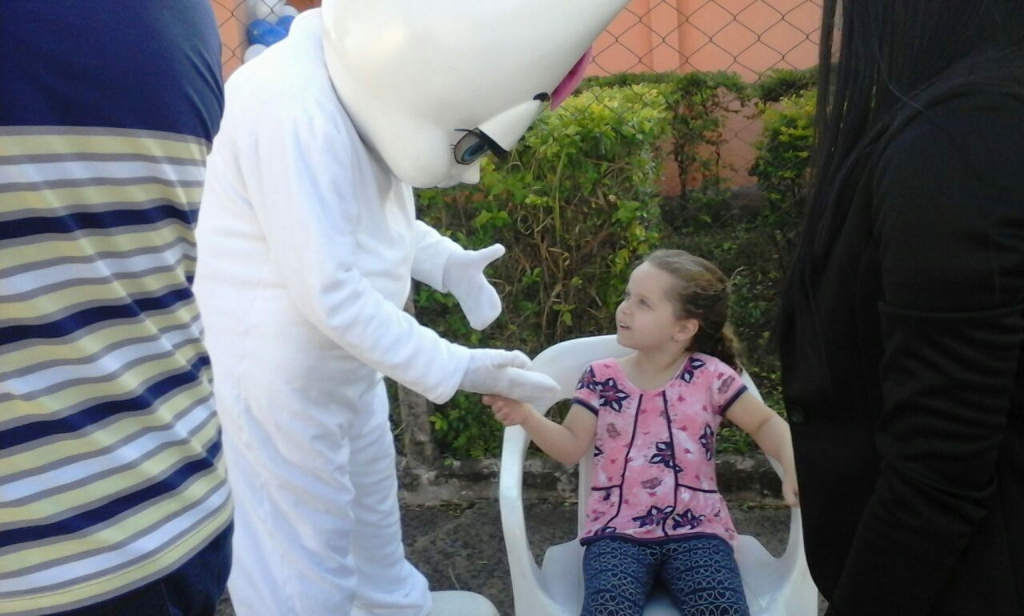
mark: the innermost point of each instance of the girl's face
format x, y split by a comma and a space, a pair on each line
646, 319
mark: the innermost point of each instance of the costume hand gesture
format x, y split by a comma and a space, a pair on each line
492, 371
464, 278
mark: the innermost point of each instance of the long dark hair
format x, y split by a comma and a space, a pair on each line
887, 63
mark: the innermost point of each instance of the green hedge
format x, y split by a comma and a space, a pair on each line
574, 205
756, 246
782, 165
579, 202
780, 83
701, 103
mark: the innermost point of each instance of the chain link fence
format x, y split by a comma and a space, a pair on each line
745, 37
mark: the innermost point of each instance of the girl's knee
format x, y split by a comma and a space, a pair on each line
617, 577
702, 574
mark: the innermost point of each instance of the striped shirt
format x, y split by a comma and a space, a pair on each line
110, 455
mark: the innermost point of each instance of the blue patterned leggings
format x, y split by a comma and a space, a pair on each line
699, 573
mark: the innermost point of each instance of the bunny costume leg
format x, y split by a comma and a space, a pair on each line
386, 582
315, 538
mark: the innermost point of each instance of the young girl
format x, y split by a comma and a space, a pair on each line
654, 511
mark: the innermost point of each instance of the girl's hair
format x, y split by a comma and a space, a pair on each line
882, 64
702, 293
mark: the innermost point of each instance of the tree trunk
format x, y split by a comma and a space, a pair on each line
415, 410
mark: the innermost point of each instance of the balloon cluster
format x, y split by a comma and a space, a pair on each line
271, 20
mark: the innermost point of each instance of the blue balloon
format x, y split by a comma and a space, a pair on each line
285, 22
262, 32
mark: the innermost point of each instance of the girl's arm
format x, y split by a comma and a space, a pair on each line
566, 442
771, 433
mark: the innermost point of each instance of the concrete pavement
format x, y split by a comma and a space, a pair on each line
460, 545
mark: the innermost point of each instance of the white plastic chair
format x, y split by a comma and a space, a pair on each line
774, 586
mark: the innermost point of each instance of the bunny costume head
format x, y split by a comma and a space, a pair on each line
433, 86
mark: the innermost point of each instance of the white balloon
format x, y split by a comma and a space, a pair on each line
283, 10
264, 9
253, 51
258, 10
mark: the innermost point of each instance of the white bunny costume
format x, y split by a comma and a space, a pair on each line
308, 241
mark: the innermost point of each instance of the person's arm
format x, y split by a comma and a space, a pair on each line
301, 174
565, 442
771, 433
950, 233
449, 268
432, 252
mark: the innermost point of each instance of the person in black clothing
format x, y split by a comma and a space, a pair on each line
902, 322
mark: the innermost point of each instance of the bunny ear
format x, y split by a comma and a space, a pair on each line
572, 80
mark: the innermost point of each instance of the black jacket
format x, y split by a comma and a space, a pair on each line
904, 380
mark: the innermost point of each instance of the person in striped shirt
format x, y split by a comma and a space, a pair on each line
113, 495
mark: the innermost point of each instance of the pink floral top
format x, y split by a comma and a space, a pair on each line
654, 455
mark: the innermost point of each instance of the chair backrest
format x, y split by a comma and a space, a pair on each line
565, 363
774, 586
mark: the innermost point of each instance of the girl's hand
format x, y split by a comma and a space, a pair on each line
508, 411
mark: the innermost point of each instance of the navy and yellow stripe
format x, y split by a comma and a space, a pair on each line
111, 471
111, 458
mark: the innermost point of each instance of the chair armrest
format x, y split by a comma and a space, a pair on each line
528, 589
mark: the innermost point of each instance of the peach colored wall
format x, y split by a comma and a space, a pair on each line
231, 20
744, 36
747, 37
